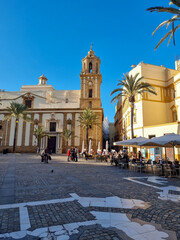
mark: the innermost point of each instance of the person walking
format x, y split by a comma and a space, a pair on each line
38, 150
76, 154
46, 155
68, 155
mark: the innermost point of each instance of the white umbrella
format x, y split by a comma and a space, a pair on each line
89, 146
82, 147
134, 142
168, 140
107, 145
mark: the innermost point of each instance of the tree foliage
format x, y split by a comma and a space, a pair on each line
87, 119
172, 21
39, 133
16, 110
128, 88
67, 135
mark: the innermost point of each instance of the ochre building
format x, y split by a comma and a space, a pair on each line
154, 115
55, 110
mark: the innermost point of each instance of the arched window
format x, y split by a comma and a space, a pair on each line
96, 67
174, 116
90, 93
90, 67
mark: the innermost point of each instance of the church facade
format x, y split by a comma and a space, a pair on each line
55, 111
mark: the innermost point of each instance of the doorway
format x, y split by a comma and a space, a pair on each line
52, 144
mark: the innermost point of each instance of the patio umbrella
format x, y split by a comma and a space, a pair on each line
168, 140
134, 142
107, 145
99, 146
106, 150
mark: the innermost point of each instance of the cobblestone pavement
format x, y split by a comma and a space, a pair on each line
24, 179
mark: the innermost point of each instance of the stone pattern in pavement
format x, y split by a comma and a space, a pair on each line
168, 218
57, 214
34, 181
27, 237
9, 220
95, 232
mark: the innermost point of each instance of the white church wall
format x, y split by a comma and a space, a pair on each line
20, 131
27, 135
11, 139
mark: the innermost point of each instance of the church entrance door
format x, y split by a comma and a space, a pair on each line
52, 144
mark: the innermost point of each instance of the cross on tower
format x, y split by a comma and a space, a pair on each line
91, 46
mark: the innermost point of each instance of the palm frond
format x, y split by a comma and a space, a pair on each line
176, 2
166, 22
170, 39
172, 31
116, 98
17, 111
132, 85
67, 134
116, 90
88, 118
172, 20
164, 9
162, 39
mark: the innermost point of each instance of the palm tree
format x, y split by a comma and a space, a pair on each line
87, 120
176, 17
130, 86
16, 110
39, 133
67, 135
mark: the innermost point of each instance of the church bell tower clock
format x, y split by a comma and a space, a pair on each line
91, 80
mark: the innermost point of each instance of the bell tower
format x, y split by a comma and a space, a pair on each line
91, 80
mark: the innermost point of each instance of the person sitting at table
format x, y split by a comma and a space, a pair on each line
126, 159
176, 166
166, 160
134, 157
139, 155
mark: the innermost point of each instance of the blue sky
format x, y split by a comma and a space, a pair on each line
51, 37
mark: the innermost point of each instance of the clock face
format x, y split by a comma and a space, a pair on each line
90, 83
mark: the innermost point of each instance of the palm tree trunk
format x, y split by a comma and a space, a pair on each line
66, 146
132, 120
87, 136
15, 132
38, 142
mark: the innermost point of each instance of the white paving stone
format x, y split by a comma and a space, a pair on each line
132, 229
158, 180
24, 218
63, 237
165, 195
60, 232
55, 228
43, 235
105, 219
18, 235
38, 231
71, 226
